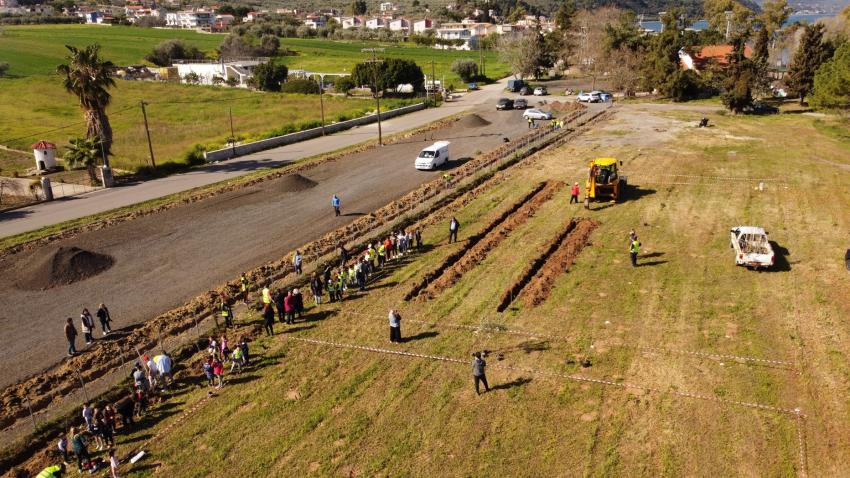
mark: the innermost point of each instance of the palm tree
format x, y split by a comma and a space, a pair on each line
84, 152
87, 76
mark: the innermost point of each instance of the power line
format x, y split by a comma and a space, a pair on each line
70, 125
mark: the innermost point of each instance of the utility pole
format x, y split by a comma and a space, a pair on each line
375, 62
433, 84
232, 135
148, 132
322, 101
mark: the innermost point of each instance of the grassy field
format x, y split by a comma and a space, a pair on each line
682, 344
181, 116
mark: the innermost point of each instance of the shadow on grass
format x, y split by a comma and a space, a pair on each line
302, 328
780, 259
651, 263
420, 336
519, 382
142, 437
318, 316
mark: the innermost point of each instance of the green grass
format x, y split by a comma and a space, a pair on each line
180, 116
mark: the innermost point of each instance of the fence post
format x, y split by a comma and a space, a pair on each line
83, 383
29, 406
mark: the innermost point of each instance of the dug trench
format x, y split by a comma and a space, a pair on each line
107, 356
536, 281
480, 245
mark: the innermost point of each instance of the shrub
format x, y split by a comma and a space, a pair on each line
344, 84
269, 76
165, 52
465, 68
303, 86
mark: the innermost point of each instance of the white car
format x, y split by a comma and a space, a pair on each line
433, 156
752, 247
536, 114
540, 91
592, 97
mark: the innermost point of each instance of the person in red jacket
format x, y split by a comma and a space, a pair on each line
574, 194
289, 307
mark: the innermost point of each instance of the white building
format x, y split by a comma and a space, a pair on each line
351, 22
420, 26
388, 7
400, 25
190, 19
216, 72
315, 21
376, 23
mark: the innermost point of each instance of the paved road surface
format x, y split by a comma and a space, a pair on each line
40, 215
163, 260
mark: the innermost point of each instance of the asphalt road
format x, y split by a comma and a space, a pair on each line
45, 214
163, 260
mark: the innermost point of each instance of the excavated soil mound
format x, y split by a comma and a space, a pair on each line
65, 266
295, 182
566, 106
472, 121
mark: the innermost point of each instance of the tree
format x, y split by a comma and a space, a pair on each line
526, 53
84, 153
832, 82
192, 78
518, 13
390, 73
810, 55
564, 16
269, 45
358, 7
344, 85
301, 85
270, 75
166, 51
740, 76
248, 45
715, 14
773, 15
465, 68
761, 62
87, 76
662, 68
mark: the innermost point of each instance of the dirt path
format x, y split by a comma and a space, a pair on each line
163, 260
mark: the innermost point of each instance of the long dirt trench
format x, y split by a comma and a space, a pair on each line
536, 281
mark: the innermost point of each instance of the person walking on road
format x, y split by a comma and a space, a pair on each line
296, 262
335, 202
574, 194
104, 318
71, 335
87, 326
454, 225
478, 372
395, 326
634, 248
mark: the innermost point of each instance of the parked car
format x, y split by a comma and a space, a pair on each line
515, 85
472, 86
524, 91
752, 247
603, 97
505, 104
592, 97
536, 114
433, 156
540, 91
520, 104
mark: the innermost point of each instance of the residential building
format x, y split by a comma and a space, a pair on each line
424, 24
251, 16
316, 21
376, 23
709, 55
400, 25
222, 22
350, 22
388, 6
190, 19
216, 72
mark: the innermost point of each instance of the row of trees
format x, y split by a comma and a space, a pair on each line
606, 42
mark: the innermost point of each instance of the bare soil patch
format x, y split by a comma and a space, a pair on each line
295, 182
64, 266
472, 121
478, 252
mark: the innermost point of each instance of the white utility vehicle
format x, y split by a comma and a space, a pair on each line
752, 247
433, 156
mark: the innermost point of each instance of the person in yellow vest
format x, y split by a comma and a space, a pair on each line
267, 295
633, 251
226, 311
54, 471
245, 286
373, 256
340, 284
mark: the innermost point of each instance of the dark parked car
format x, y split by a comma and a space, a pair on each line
520, 104
524, 91
505, 104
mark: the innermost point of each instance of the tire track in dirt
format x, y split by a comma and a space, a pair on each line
479, 251
456, 256
535, 282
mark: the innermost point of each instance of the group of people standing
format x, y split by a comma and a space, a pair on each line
87, 327
220, 352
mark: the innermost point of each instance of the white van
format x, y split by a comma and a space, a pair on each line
433, 156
